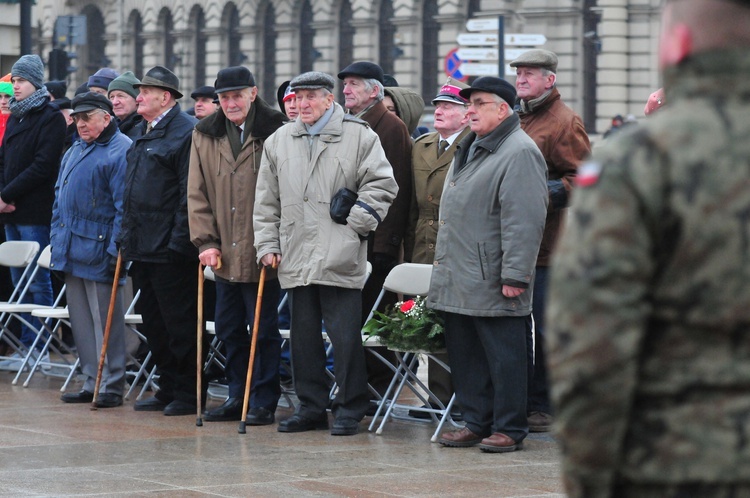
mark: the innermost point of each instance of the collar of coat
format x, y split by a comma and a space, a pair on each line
542, 102
265, 121
491, 142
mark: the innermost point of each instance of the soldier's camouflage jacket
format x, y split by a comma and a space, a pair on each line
649, 307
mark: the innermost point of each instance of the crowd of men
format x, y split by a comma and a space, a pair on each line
314, 191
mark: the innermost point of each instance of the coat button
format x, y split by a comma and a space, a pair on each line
442, 222
234, 209
305, 199
101, 237
429, 198
234, 244
51, 265
434, 263
431, 222
453, 184
430, 246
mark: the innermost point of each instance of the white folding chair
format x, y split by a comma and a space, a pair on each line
132, 320
410, 279
16, 254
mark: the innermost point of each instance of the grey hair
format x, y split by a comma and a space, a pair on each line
371, 83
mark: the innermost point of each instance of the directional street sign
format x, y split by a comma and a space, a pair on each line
478, 54
512, 53
524, 39
477, 69
482, 24
479, 39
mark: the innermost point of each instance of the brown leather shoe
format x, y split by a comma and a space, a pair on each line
462, 438
499, 443
539, 422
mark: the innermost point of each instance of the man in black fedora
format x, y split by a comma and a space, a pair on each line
363, 95
155, 237
224, 162
204, 97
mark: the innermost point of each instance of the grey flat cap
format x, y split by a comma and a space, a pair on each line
312, 80
537, 58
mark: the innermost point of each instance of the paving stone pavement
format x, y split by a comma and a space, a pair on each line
48, 448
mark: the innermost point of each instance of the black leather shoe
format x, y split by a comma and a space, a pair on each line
79, 397
298, 423
108, 400
178, 407
152, 404
259, 416
230, 410
345, 426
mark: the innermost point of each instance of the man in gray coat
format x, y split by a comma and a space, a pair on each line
492, 215
322, 254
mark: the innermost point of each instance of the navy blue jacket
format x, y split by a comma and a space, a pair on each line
88, 206
155, 224
29, 163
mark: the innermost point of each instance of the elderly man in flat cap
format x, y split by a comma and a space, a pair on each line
363, 94
321, 251
224, 163
560, 135
123, 93
491, 222
155, 237
88, 200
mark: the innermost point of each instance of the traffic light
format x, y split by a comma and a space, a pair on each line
57, 63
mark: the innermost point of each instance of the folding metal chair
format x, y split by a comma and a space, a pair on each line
16, 254
410, 279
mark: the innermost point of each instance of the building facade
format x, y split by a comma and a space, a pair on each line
607, 48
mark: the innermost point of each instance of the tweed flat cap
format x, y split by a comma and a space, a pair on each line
203, 91
233, 78
537, 58
312, 80
89, 101
492, 84
161, 77
363, 69
450, 92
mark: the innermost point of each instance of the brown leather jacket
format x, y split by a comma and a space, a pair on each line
559, 133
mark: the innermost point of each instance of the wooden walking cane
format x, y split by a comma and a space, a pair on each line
199, 356
253, 340
107, 329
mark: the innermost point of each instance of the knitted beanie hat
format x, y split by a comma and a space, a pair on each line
125, 83
103, 77
31, 68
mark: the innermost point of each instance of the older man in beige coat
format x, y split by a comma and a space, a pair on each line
322, 262
224, 163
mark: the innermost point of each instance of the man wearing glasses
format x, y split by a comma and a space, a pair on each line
86, 219
492, 214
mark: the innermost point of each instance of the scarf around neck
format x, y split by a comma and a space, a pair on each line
20, 108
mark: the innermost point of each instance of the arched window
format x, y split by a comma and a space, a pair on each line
165, 26
230, 23
307, 52
268, 61
93, 54
197, 25
430, 29
387, 30
135, 34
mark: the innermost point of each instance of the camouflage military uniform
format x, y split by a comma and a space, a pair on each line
649, 316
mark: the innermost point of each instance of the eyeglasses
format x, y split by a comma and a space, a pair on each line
479, 103
85, 116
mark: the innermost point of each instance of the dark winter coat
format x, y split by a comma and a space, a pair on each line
29, 162
155, 224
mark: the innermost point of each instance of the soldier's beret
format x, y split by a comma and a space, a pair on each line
537, 58
492, 84
89, 101
312, 80
363, 69
161, 77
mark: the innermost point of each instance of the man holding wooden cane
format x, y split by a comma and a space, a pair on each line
224, 163
86, 218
